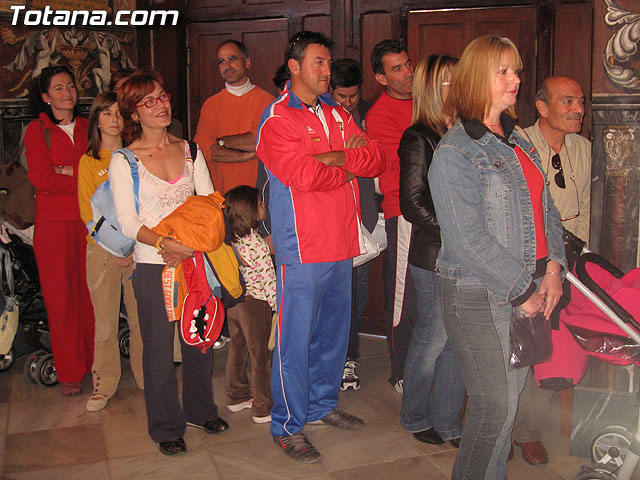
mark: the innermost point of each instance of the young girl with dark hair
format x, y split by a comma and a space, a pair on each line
106, 273
54, 144
250, 321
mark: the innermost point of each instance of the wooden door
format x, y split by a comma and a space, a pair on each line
204, 38
450, 31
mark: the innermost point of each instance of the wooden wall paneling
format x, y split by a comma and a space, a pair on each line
375, 28
427, 34
572, 49
204, 38
317, 23
215, 10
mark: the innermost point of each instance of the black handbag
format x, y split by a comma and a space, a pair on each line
530, 340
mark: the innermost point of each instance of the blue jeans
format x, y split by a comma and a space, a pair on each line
430, 362
478, 328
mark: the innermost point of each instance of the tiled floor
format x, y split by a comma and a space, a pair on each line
44, 435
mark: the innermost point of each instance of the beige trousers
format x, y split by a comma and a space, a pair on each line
105, 280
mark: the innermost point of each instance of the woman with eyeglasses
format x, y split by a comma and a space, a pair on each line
54, 144
167, 177
502, 245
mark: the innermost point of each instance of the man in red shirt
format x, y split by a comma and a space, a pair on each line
386, 121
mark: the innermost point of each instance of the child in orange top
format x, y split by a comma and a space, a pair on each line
250, 322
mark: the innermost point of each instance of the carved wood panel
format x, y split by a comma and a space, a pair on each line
449, 31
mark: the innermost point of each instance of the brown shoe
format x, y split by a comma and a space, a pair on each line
534, 452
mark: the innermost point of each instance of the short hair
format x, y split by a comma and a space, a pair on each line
241, 46
42, 84
241, 209
281, 77
101, 103
543, 93
138, 86
470, 95
119, 75
427, 91
346, 72
300, 41
383, 48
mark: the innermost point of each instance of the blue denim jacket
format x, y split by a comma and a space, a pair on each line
482, 202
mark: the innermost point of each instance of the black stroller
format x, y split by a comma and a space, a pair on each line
39, 367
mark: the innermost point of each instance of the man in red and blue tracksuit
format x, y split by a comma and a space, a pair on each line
312, 150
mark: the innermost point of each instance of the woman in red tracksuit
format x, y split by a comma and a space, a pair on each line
54, 144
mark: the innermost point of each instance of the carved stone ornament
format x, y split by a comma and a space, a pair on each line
622, 47
618, 144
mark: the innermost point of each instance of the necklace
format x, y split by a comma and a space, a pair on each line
492, 124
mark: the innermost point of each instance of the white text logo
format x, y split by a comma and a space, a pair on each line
97, 18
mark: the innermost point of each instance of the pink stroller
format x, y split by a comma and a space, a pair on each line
600, 321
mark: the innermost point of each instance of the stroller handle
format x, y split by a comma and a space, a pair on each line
583, 276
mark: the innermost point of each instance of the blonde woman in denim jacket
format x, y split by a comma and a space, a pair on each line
501, 245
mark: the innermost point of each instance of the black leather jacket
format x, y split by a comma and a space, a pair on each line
416, 152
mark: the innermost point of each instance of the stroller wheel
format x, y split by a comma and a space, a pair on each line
30, 365
7, 360
610, 446
123, 341
597, 472
46, 375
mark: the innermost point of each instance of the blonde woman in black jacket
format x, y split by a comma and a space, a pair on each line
433, 388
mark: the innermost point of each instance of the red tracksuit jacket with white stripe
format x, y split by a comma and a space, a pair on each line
315, 213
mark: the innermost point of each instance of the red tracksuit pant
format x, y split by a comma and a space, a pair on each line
60, 248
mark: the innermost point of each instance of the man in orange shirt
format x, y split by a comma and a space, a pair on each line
229, 119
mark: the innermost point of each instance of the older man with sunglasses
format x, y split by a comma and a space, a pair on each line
566, 160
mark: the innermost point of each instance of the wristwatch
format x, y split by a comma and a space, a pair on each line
221, 142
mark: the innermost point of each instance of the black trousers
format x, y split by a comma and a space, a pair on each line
166, 418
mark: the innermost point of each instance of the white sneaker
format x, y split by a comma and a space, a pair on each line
349, 376
220, 343
399, 386
266, 419
238, 407
97, 401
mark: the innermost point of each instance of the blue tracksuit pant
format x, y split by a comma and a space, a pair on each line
314, 301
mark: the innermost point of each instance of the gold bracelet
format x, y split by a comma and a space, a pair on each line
159, 244
552, 273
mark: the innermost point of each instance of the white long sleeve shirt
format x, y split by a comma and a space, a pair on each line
157, 197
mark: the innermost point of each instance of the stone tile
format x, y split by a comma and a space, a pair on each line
93, 471
259, 458
54, 412
6, 380
372, 346
4, 416
355, 402
413, 468
190, 466
126, 404
241, 428
376, 442
444, 462
53, 448
381, 395
22, 389
128, 438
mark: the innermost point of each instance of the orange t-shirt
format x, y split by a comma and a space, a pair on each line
535, 182
227, 114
